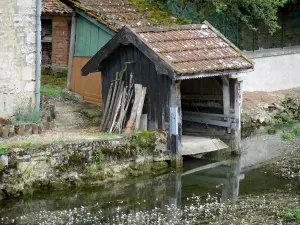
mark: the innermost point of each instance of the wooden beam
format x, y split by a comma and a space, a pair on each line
209, 114
207, 121
226, 97
202, 97
71, 48
237, 115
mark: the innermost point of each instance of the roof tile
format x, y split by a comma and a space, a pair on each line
193, 49
55, 7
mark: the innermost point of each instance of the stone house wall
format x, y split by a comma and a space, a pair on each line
17, 53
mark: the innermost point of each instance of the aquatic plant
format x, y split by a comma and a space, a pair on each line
296, 130
291, 214
286, 136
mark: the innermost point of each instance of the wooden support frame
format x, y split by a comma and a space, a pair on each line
175, 123
226, 97
237, 115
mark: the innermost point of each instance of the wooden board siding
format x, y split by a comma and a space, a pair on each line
89, 86
89, 37
157, 101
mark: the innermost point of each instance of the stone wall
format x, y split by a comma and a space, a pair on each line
17, 53
275, 69
60, 41
24, 169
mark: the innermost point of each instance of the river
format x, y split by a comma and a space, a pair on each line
153, 198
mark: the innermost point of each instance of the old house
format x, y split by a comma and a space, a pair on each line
18, 58
95, 23
192, 75
56, 27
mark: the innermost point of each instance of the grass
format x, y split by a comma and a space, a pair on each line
59, 80
287, 136
51, 91
28, 144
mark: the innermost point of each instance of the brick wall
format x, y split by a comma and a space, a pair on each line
17, 54
60, 41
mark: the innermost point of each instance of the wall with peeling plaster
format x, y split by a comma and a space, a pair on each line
17, 53
275, 69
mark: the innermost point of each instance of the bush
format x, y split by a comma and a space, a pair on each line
28, 114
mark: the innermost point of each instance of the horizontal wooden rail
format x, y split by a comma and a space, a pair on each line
207, 121
202, 97
208, 114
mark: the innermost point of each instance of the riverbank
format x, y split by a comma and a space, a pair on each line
27, 167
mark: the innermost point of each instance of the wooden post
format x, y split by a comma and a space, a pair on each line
71, 48
175, 124
237, 116
226, 98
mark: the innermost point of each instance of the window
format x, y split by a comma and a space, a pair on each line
46, 38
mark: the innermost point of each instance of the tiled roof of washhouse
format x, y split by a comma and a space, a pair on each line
194, 49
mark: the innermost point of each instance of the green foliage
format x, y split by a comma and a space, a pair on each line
291, 214
247, 11
287, 136
99, 158
296, 130
28, 114
51, 91
3, 149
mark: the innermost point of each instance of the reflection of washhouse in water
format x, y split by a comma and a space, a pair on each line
225, 174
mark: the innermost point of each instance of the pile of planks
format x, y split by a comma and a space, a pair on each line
118, 105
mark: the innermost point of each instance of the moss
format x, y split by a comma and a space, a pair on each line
57, 185
64, 168
76, 157
156, 14
28, 168
159, 166
2, 165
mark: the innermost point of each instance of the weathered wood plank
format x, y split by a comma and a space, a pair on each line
143, 123
207, 121
209, 114
106, 106
140, 108
202, 97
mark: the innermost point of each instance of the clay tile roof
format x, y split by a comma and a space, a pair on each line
194, 49
117, 13
55, 7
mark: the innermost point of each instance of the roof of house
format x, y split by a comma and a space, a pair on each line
196, 49
55, 7
117, 13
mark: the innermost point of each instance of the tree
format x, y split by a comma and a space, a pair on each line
248, 11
